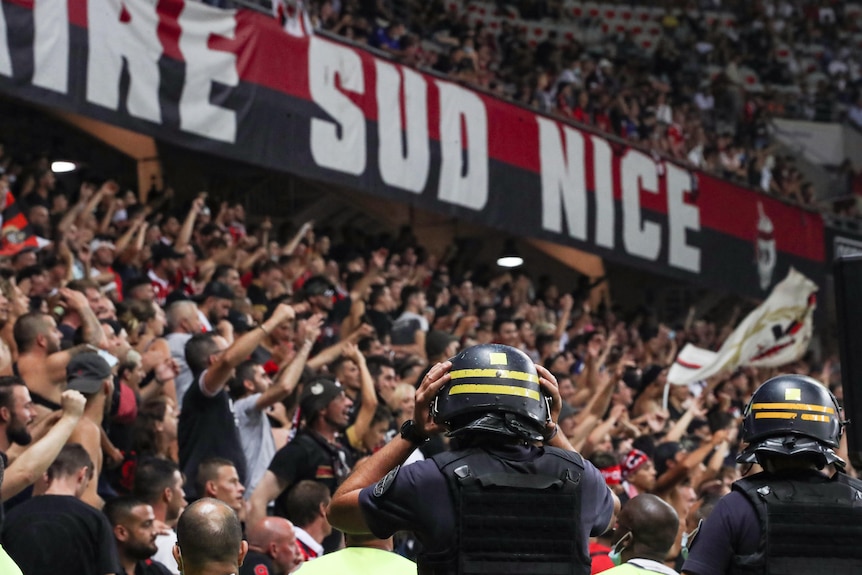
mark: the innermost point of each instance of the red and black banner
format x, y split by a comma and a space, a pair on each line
234, 84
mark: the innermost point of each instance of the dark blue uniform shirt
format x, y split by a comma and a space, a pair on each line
731, 529
417, 499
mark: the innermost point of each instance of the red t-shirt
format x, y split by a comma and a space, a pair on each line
599, 558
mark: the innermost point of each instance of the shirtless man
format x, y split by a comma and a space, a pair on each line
41, 363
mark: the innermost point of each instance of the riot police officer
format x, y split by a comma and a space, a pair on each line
497, 502
791, 518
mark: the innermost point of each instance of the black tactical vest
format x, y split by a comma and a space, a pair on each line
809, 523
513, 517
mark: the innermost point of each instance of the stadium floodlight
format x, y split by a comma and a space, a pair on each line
510, 258
63, 166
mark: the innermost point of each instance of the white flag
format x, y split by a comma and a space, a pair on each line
776, 333
293, 16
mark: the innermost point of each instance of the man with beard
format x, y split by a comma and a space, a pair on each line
159, 483
314, 454
16, 413
135, 532
214, 305
41, 363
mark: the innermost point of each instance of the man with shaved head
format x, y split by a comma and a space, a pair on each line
209, 539
272, 548
645, 532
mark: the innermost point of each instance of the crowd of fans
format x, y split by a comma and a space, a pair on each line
178, 352
698, 82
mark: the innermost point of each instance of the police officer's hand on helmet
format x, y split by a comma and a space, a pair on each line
552, 389
434, 380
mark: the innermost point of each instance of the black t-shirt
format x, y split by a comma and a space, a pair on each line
150, 567
381, 321
207, 428
59, 533
256, 564
309, 456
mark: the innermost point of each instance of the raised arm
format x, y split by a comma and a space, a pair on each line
218, 375
294, 241
31, 464
90, 326
366, 393
189, 224
289, 377
329, 354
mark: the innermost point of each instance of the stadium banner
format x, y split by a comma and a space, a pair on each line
235, 84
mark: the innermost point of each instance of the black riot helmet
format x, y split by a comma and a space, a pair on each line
494, 389
792, 415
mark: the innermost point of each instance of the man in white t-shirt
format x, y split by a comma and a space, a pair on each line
408, 331
253, 393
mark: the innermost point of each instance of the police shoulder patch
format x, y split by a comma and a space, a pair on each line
384, 483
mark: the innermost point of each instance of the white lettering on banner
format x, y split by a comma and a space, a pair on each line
340, 144
603, 177
400, 168
198, 114
640, 238
5, 56
51, 45
135, 42
460, 184
564, 191
562, 179
681, 217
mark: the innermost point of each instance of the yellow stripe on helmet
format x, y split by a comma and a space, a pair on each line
812, 417
495, 373
775, 415
494, 390
799, 406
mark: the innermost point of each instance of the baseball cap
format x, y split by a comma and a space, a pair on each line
317, 395
318, 285
86, 372
437, 341
162, 251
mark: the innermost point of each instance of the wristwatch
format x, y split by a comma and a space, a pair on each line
410, 432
